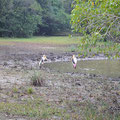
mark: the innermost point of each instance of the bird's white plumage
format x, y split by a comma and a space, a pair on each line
42, 60
74, 61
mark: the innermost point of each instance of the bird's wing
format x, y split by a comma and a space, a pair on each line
73, 61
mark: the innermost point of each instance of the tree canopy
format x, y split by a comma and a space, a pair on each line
19, 17
54, 17
97, 20
97, 16
24, 18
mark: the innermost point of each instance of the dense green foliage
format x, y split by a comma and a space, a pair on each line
55, 19
19, 17
67, 5
100, 17
23, 18
97, 20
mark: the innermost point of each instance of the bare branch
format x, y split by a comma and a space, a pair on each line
110, 26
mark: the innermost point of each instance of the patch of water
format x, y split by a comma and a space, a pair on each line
108, 68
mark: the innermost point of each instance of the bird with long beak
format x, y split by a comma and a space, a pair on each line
44, 58
74, 61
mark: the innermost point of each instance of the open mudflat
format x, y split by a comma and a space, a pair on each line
57, 94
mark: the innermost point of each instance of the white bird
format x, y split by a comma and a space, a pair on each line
44, 58
74, 61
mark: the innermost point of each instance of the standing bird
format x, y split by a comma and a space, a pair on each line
44, 58
74, 61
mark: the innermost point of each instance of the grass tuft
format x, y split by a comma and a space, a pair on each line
37, 80
15, 90
30, 91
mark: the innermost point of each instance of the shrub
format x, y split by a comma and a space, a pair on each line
37, 80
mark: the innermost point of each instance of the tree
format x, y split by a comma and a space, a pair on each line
97, 16
67, 5
19, 18
24, 18
4, 8
54, 17
97, 20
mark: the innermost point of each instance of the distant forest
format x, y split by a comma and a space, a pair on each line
25, 18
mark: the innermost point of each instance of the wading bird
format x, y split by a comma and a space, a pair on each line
44, 58
74, 61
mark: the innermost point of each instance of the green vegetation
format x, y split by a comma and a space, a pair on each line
97, 17
84, 48
54, 17
15, 90
44, 40
97, 21
25, 18
19, 17
37, 80
90, 111
30, 91
38, 108
89, 47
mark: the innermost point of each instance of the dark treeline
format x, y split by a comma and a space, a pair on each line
25, 18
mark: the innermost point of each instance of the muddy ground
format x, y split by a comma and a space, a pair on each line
69, 91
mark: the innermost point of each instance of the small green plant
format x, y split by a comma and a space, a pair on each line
15, 90
30, 91
37, 80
